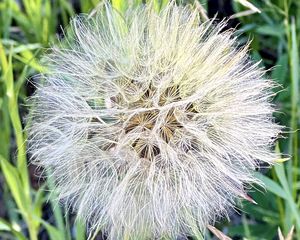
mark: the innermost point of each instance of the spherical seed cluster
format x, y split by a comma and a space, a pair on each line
151, 123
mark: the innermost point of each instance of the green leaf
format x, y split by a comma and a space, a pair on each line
289, 198
119, 5
6, 226
271, 185
26, 47
295, 77
53, 232
57, 210
269, 30
80, 230
28, 58
38, 203
13, 180
281, 69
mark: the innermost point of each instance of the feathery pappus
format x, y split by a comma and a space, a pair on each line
151, 123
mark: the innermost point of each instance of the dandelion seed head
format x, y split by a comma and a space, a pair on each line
152, 124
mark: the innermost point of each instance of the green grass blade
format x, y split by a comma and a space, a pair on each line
6, 226
13, 181
294, 62
80, 230
280, 171
53, 232
120, 5
271, 185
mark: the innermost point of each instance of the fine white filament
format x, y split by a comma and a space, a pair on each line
152, 124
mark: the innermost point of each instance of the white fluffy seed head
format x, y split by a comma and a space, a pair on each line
152, 123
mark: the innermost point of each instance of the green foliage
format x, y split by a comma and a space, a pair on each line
27, 28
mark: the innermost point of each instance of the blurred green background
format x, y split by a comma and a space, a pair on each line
28, 27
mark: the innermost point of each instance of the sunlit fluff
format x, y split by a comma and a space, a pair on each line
151, 124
